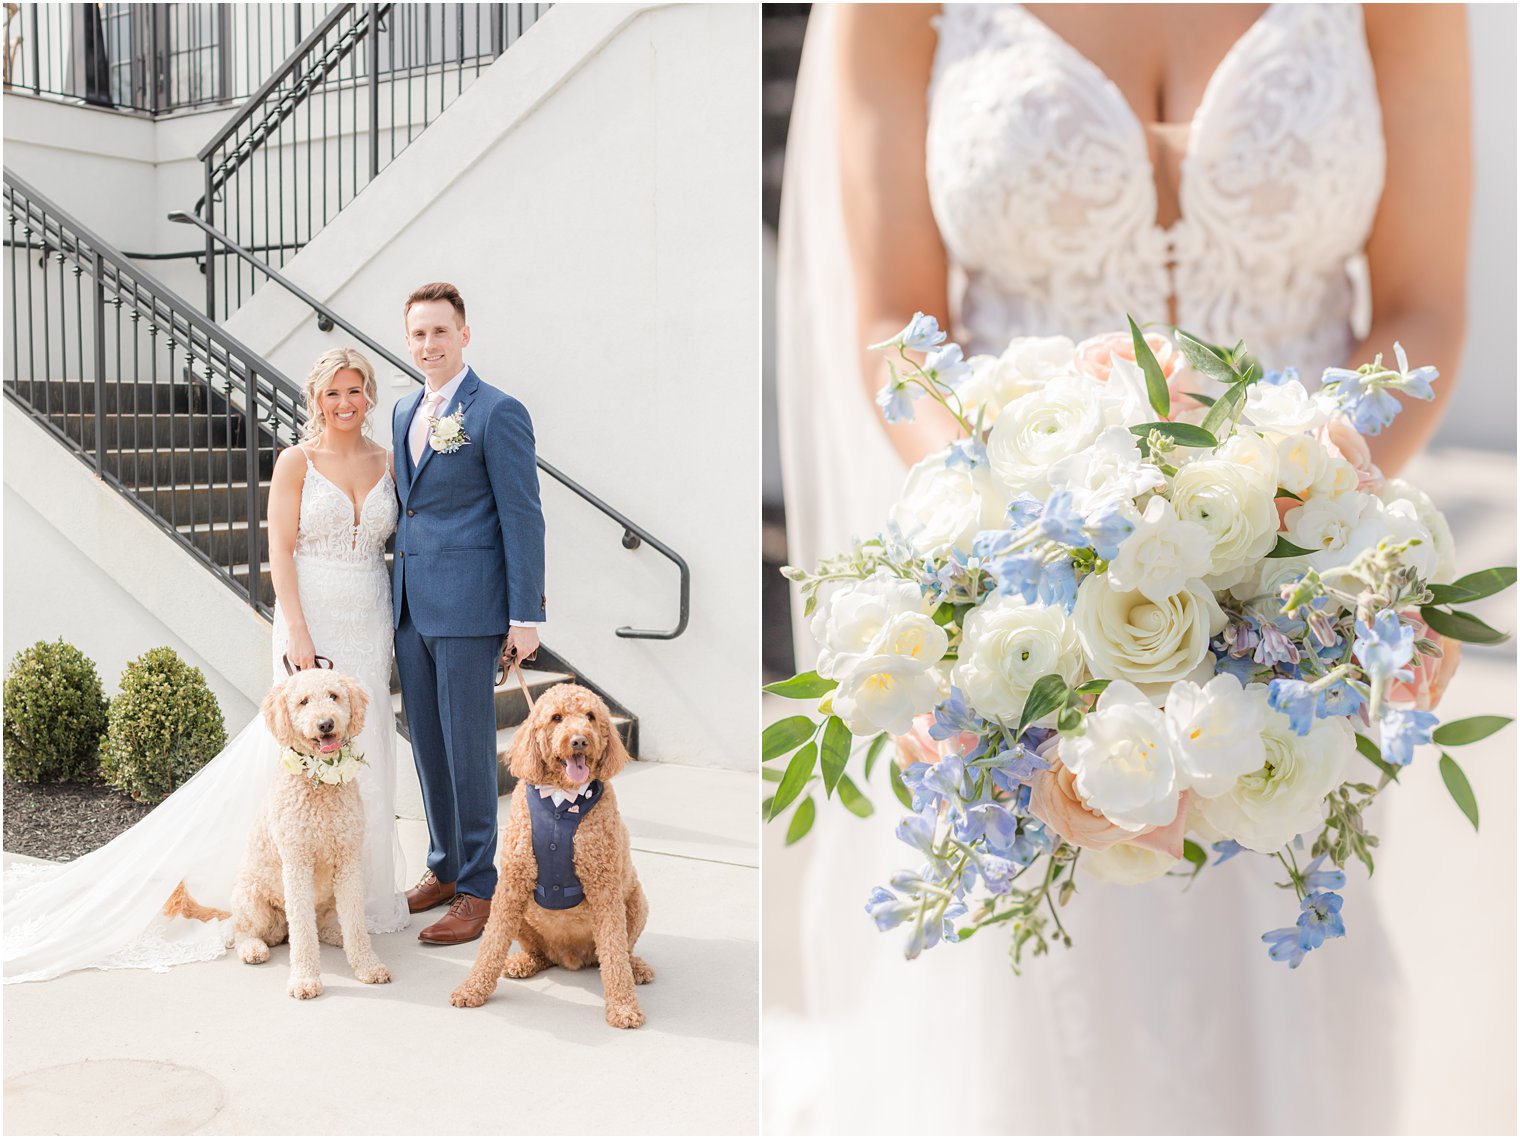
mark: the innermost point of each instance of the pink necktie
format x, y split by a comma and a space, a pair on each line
423, 424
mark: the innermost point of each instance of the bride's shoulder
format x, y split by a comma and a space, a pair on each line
290, 465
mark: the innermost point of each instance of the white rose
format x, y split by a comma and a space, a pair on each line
1126, 636
1216, 732
1029, 362
942, 507
1126, 864
848, 620
1162, 555
1237, 506
1041, 428
1123, 760
1445, 568
445, 430
1285, 796
1109, 471
914, 636
330, 773
883, 694
1007, 645
291, 760
1284, 409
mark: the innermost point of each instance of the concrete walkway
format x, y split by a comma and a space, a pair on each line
219, 1049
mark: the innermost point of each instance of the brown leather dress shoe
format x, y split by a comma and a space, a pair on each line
464, 922
428, 892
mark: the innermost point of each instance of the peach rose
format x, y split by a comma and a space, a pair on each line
1095, 358
1053, 799
1344, 441
918, 746
1431, 674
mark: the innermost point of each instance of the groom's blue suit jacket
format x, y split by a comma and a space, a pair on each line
470, 538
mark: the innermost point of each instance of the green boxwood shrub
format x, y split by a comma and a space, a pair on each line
164, 725
55, 713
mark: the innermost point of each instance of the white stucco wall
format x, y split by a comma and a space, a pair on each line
594, 197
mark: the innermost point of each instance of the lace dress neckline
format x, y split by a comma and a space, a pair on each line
358, 505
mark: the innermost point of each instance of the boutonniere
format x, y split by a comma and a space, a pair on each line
338, 767
448, 433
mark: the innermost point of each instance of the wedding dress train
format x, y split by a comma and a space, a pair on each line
1166, 1016
104, 910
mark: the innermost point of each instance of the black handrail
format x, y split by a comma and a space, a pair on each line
633, 534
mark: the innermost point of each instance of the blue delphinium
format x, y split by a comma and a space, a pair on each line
1365, 396
1402, 730
1295, 699
1317, 879
1060, 523
920, 334
1320, 919
946, 367
1014, 767
1226, 849
1339, 698
887, 910
1023, 510
1284, 945
896, 401
1107, 529
1058, 584
1384, 648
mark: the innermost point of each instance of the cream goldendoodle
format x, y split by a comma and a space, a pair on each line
567, 893
303, 871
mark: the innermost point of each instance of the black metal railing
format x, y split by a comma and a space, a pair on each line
634, 535
365, 81
178, 416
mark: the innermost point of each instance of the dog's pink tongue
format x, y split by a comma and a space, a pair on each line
330, 745
577, 771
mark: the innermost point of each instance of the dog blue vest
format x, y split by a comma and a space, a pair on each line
554, 846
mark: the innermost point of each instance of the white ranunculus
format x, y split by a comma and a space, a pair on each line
883, 693
1237, 505
1445, 568
1285, 796
1284, 409
1123, 760
1162, 555
848, 620
1007, 645
1109, 471
942, 507
1127, 636
1126, 864
1216, 732
1040, 429
1324, 525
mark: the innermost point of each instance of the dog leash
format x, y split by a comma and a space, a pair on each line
291, 670
509, 664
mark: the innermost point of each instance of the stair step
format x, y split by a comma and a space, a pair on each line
79, 395
225, 542
511, 708
154, 432
188, 465
227, 502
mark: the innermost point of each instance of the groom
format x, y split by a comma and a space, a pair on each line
469, 570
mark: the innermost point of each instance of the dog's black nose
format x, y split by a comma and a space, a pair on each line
577, 743
324, 726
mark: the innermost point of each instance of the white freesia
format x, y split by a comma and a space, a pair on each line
1041, 428
1216, 732
1126, 864
942, 506
1109, 471
1286, 408
1028, 363
1301, 461
1324, 525
1123, 760
884, 692
1236, 504
1162, 555
1127, 636
1397, 521
847, 621
1429, 516
1285, 796
1007, 645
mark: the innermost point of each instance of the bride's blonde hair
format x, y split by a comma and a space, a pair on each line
328, 365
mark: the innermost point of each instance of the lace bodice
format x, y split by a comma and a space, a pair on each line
1042, 184
327, 528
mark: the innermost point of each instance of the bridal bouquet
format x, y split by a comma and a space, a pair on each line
1151, 602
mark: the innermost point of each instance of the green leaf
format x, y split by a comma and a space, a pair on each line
785, 735
1048, 694
1484, 583
1205, 359
1155, 378
1468, 731
856, 803
798, 772
899, 789
1206, 400
802, 820
1284, 492
803, 686
874, 751
945, 614
1375, 755
1461, 791
1094, 687
1286, 549
835, 753
1225, 410
1182, 434
1461, 626
1194, 853
1069, 719
770, 775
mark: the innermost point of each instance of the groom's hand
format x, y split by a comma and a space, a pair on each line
524, 640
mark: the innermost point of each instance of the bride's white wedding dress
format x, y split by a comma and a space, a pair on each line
1166, 1016
103, 911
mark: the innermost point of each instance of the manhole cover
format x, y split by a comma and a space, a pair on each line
111, 1097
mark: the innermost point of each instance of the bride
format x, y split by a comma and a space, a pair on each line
1290, 167
332, 504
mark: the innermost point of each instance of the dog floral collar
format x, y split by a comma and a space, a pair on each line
339, 767
448, 433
